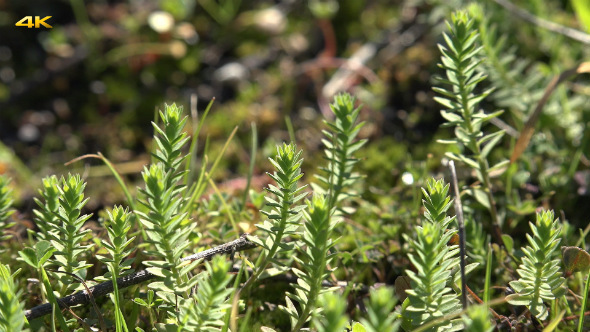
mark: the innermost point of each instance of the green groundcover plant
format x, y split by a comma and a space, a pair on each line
174, 257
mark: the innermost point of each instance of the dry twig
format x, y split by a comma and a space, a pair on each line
83, 297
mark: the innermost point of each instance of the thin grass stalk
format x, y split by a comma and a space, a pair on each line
205, 176
488, 277
253, 151
230, 215
584, 303
195, 142
56, 312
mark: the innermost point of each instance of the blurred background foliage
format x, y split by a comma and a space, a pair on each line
92, 83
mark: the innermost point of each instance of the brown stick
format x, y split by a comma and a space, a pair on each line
572, 317
83, 297
480, 301
461, 223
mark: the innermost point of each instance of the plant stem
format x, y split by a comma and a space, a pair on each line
482, 162
496, 230
285, 208
314, 291
583, 306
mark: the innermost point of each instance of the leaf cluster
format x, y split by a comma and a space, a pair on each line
285, 214
477, 319
334, 316
67, 235
340, 145
11, 308
5, 207
162, 199
380, 311
429, 297
205, 310
540, 274
317, 237
461, 63
314, 259
118, 225
46, 215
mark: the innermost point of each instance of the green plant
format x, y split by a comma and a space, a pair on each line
341, 143
284, 216
46, 217
204, 312
520, 81
540, 275
314, 259
11, 308
378, 233
334, 316
149, 303
380, 311
477, 319
513, 76
585, 295
429, 297
38, 257
461, 63
317, 236
118, 225
166, 225
67, 235
5, 207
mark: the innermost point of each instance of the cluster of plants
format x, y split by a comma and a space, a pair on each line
296, 256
